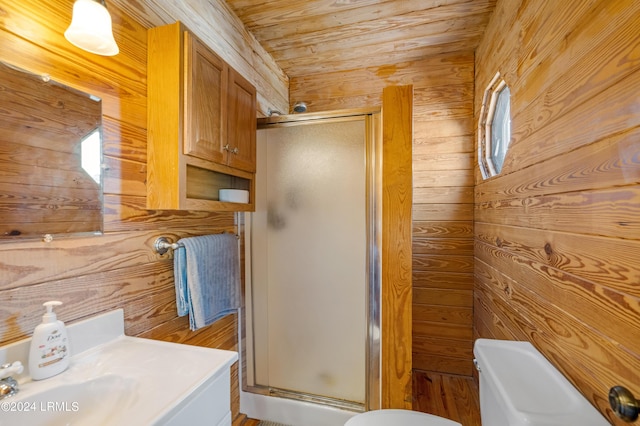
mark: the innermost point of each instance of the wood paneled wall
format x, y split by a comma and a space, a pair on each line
120, 268
557, 234
214, 23
442, 192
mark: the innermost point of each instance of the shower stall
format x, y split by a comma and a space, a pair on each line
312, 342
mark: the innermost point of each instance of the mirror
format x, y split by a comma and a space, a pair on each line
50, 157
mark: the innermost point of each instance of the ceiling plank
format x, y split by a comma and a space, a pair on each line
316, 36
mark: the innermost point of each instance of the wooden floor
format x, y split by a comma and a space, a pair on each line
452, 397
244, 421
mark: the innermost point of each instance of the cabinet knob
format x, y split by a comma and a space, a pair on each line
233, 151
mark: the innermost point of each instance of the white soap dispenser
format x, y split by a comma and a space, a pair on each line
49, 351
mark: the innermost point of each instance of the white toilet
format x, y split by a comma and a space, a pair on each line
518, 387
398, 418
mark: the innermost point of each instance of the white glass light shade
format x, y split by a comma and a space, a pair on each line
90, 28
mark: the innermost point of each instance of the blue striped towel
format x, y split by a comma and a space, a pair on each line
207, 278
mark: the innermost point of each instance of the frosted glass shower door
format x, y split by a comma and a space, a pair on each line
309, 260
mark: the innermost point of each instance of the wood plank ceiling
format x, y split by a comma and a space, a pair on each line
315, 36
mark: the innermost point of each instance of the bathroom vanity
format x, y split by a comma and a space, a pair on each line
114, 379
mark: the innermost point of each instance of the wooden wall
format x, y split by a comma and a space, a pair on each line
120, 268
442, 192
395, 251
557, 234
214, 23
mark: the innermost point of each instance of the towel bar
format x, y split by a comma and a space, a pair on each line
162, 245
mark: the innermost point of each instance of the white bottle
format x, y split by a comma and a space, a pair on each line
49, 351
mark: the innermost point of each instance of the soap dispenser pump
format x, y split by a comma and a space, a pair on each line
49, 351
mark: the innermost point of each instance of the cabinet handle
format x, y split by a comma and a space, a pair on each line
226, 147
235, 150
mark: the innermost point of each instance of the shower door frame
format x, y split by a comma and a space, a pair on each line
373, 149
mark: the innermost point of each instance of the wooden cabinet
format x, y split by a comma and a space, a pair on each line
201, 125
205, 113
242, 123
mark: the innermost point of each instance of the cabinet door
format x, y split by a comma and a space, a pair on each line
205, 95
242, 125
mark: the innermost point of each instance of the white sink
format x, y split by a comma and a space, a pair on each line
90, 402
115, 379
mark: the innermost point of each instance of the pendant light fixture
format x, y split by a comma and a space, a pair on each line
90, 28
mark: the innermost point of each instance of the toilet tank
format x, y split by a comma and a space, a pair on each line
519, 387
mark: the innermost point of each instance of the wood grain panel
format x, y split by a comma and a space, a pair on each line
579, 76
65, 258
125, 213
607, 261
122, 176
580, 73
222, 31
443, 195
556, 252
442, 330
313, 37
436, 178
448, 312
83, 296
444, 297
450, 92
443, 280
34, 37
442, 263
454, 128
489, 322
612, 161
455, 246
397, 105
613, 212
612, 313
220, 334
442, 228
424, 142
362, 86
576, 128
457, 366
461, 349
443, 212
443, 161
124, 140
